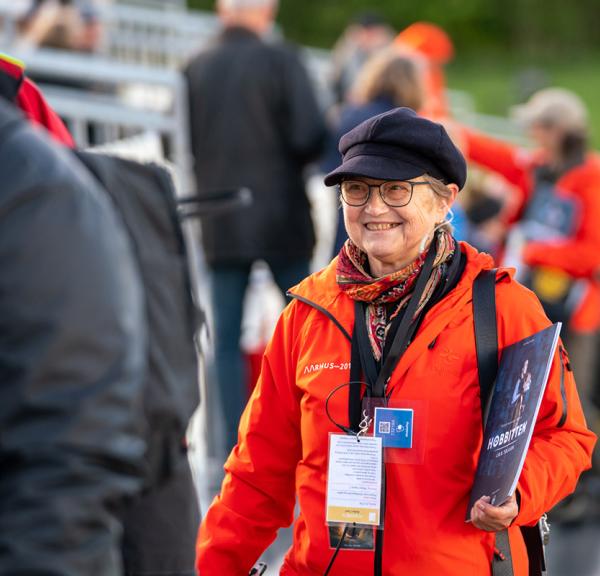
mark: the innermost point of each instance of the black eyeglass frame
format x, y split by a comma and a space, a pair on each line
412, 183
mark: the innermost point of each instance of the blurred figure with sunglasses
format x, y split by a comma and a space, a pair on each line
390, 320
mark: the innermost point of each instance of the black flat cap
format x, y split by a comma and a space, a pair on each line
399, 145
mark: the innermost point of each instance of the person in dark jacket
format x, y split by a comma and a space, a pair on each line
153, 515
254, 123
72, 342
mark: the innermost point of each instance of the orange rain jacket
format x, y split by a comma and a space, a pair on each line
578, 256
283, 441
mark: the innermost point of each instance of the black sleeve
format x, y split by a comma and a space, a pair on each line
72, 345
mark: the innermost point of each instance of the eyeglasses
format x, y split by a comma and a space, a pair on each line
394, 193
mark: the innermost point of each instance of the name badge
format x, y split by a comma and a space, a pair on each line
394, 426
354, 480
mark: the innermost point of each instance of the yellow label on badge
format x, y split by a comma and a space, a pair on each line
356, 515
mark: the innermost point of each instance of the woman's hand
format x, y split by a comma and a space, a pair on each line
494, 518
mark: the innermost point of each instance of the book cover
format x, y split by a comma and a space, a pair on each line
515, 401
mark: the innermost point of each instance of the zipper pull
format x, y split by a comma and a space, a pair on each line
565, 358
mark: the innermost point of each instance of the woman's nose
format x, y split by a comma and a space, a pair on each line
375, 204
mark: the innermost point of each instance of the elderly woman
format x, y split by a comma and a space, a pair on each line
393, 310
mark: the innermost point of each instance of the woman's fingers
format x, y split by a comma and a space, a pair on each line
491, 518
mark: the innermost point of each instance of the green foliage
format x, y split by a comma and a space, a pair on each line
496, 82
536, 28
496, 41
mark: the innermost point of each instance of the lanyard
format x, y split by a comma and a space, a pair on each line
361, 352
362, 359
402, 336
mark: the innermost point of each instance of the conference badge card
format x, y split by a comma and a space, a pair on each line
354, 480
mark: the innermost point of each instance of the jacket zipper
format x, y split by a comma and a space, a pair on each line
378, 555
564, 363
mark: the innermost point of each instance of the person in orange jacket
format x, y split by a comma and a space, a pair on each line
554, 239
401, 284
558, 184
432, 45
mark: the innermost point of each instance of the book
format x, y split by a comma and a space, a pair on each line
511, 415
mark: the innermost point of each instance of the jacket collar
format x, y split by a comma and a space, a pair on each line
11, 76
237, 33
322, 289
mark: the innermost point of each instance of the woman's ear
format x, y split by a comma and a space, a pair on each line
447, 201
454, 189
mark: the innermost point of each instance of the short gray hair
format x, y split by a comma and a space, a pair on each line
243, 4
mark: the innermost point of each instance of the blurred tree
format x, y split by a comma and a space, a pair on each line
497, 43
534, 28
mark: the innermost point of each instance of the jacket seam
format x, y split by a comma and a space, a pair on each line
323, 311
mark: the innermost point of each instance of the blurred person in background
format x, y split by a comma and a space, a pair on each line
555, 240
61, 24
66, 25
386, 81
431, 45
254, 123
366, 34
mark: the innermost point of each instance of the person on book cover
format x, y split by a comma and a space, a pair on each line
520, 391
390, 320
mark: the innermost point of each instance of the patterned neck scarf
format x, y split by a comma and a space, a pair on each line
396, 287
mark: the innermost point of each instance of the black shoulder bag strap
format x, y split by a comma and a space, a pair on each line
486, 334
486, 345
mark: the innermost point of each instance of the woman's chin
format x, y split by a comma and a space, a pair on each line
385, 262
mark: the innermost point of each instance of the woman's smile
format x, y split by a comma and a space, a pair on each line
381, 226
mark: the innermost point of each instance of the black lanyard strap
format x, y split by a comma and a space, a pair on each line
404, 332
362, 360
367, 360
354, 399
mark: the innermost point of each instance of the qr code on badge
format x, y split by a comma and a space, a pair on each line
384, 427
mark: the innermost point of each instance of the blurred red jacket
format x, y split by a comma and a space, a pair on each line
19, 89
578, 255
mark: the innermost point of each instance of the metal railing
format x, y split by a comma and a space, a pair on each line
155, 37
134, 85
99, 99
